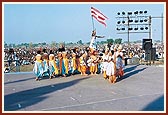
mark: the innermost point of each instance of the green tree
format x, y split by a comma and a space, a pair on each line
53, 44
110, 41
118, 41
43, 44
103, 42
30, 45
88, 43
35, 45
5, 45
97, 42
80, 42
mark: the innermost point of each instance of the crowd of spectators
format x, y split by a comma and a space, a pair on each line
26, 56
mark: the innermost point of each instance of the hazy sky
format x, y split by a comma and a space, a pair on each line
25, 23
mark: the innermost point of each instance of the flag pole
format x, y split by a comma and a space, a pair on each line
93, 23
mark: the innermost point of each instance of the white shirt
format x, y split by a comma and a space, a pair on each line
92, 42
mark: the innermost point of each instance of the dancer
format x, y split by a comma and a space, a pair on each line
83, 64
94, 63
46, 64
53, 69
105, 62
65, 63
74, 63
110, 71
61, 65
92, 45
119, 63
38, 66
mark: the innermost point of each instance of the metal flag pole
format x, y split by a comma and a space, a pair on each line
93, 23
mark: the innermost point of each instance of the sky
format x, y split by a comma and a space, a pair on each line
71, 22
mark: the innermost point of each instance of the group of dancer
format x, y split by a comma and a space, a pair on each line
109, 64
113, 64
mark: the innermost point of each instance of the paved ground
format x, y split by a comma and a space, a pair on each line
141, 89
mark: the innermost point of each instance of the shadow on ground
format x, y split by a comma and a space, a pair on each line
18, 80
23, 99
156, 105
129, 72
130, 68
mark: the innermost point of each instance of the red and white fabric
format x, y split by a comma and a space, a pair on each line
98, 16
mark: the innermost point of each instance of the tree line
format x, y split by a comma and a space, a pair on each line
56, 44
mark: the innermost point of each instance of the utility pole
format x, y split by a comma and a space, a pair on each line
128, 37
160, 17
150, 27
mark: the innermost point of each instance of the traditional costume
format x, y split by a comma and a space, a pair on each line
119, 62
53, 69
93, 64
65, 62
110, 71
61, 65
73, 63
105, 62
46, 65
82, 64
38, 67
93, 40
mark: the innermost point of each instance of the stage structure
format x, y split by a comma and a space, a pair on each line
138, 22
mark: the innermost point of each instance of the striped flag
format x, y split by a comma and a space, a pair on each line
98, 16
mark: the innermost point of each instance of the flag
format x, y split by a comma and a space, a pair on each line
98, 16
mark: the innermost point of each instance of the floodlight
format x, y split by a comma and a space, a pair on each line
129, 13
140, 12
141, 20
135, 28
123, 28
142, 28
136, 12
146, 28
145, 20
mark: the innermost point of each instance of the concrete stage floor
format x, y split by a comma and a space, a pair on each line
141, 89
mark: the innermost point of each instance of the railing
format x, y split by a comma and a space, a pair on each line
13, 65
